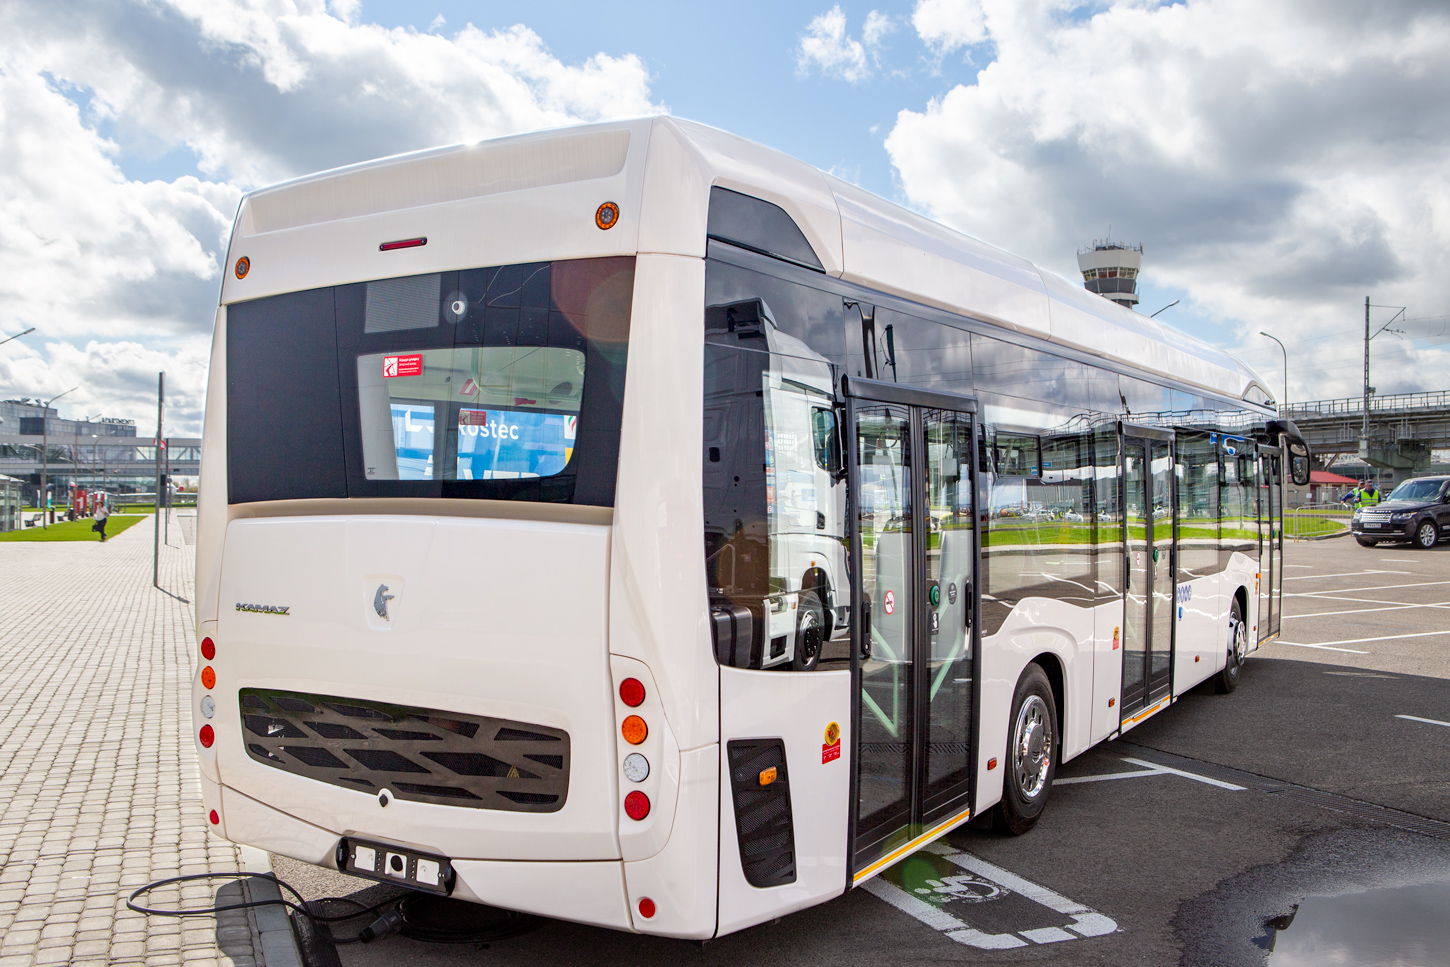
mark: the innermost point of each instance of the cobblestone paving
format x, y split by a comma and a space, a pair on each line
98, 787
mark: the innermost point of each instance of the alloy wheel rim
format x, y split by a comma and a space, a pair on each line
1427, 534
1032, 747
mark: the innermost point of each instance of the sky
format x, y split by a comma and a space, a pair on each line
1278, 162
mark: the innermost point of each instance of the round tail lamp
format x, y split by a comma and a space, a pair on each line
215, 819
207, 737
636, 805
634, 730
646, 908
208, 677
631, 692
208, 649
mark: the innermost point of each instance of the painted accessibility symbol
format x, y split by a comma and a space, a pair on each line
939, 905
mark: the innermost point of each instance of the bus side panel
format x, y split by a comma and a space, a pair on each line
681, 879
1107, 669
211, 493
1196, 641
658, 610
1035, 627
798, 708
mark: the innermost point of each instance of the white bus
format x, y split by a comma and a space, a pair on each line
633, 525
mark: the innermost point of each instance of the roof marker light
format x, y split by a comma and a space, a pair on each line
607, 216
244, 265
418, 242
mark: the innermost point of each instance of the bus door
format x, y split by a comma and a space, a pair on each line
1148, 588
1271, 546
912, 489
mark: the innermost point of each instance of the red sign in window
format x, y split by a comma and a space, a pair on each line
410, 365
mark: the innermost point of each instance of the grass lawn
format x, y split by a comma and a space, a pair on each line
73, 530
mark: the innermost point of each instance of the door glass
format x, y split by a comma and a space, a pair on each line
1135, 597
948, 597
884, 523
1160, 560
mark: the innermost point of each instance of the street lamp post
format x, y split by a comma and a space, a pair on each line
1283, 407
44, 456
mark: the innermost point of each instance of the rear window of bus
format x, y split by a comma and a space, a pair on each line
498, 383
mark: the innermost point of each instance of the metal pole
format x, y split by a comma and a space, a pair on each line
156, 537
1364, 432
168, 496
1284, 407
44, 461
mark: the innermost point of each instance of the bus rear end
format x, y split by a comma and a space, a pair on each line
408, 530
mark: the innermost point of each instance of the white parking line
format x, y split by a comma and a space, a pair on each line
1381, 587
1393, 607
1149, 769
1416, 718
1397, 560
1362, 641
1086, 922
1346, 574
1351, 651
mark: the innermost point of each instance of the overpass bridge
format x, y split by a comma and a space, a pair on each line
1403, 429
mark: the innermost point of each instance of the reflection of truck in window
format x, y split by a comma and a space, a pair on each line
774, 491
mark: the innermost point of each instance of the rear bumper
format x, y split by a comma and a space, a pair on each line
591, 892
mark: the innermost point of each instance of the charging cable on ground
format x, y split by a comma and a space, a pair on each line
420, 916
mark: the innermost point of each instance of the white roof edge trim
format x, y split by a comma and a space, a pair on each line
442, 175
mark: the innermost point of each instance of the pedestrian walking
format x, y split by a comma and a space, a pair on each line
102, 512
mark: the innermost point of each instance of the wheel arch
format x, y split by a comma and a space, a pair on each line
1051, 666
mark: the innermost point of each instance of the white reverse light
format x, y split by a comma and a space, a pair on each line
636, 767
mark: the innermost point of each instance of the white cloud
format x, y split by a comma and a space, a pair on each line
1277, 161
826, 47
258, 90
946, 25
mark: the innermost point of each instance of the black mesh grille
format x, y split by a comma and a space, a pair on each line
763, 821
418, 754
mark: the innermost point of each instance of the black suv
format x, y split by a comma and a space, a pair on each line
1417, 511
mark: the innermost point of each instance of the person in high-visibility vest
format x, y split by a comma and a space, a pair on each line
1369, 496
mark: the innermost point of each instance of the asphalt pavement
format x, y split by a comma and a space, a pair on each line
1317, 791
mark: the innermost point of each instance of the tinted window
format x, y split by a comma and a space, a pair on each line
504, 383
758, 225
284, 425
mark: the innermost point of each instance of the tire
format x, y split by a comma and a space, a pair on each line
1238, 651
1031, 758
810, 634
1364, 543
1426, 534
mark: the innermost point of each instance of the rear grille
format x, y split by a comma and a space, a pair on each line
763, 822
417, 754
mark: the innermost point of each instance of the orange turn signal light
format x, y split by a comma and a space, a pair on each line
634, 730
208, 677
767, 776
991, 764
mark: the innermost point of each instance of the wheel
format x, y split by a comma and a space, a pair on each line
1238, 651
1031, 752
810, 633
1426, 535
1365, 543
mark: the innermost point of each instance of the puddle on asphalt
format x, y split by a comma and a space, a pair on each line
1405, 926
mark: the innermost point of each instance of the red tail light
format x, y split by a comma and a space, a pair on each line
636, 804
207, 737
631, 692
208, 649
646, 908
215, 819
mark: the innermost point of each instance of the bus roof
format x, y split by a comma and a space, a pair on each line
520, 199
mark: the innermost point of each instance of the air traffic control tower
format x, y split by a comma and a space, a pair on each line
1111, 270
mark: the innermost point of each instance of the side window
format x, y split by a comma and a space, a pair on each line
826, 438
1198, 504
1019, 455
775, 499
